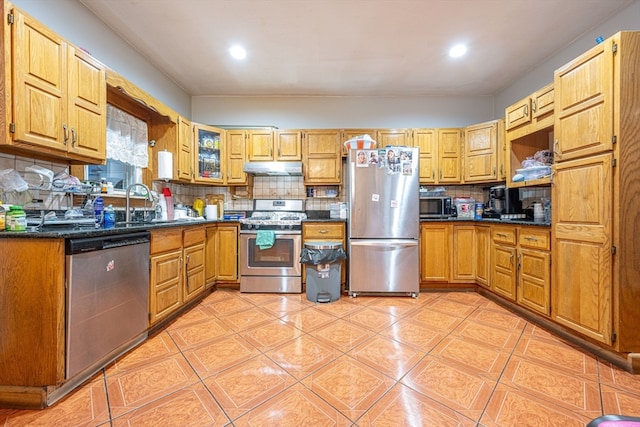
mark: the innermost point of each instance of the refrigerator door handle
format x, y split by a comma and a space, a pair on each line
391, 244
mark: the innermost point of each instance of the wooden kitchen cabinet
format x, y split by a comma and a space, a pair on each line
393, 137
521, 265
165, 277
595, 201
449, 156
236, 157
427, 141
534, 269
210, 254
322, 157
177, 258
347, 134
194, 240
287, 145
325, 232
463, 254
58, 100
529, 125
482, 252
435, 252
185, 150
209, 154
227, 253
481, 152
503, 261
32, 326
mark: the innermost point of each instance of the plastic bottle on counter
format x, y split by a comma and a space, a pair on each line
16, 219
98, 211
109, 217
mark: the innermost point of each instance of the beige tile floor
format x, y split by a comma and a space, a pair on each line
443, 359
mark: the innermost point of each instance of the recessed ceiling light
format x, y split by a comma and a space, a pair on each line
238, 52
457, 51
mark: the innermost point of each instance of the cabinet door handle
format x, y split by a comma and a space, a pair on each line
501, 235
433, 174
526, 110
531, 239
74, 137
440, 174
323, 231
519, 260
511, 259
533, 105
279, 153
65, 137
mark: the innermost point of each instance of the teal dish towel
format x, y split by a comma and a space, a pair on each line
265, 239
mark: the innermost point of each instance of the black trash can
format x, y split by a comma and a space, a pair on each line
323, 261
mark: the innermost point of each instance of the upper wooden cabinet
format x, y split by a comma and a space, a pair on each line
440, 155
481, 152
529, 129
393, 137
449, 156
348, 134
287, 145
185, 149
58, 103
584, 104
322, 157
268, 145
236, 157
209, 154
427, 142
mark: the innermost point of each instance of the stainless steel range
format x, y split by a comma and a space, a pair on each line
270, 244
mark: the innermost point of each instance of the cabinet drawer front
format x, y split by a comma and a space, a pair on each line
194, 236
166, 240
504, 235
323, 231
535, 239
543, 101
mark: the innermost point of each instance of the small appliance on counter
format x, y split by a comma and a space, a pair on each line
503, 202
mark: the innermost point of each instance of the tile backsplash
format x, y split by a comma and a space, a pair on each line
280, 187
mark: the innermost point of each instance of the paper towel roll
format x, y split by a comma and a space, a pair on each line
165, 165
211, 212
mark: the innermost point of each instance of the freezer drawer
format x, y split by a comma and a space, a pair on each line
390, 266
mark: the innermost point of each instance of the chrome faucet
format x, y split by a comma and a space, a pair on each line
149, 197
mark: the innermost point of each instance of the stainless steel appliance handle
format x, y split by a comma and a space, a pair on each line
277, 232
392, 244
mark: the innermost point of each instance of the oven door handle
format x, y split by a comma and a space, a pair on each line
277, 232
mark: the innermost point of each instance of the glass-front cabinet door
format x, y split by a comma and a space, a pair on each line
209, 154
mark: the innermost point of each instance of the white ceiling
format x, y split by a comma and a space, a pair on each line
349, 47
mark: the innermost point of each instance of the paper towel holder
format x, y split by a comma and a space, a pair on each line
165, 165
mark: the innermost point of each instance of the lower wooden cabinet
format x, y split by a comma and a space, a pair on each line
434, 252
521, 266
482, 250
503, 261
194, 256
226, 258
177, 260
463, 265
534, 262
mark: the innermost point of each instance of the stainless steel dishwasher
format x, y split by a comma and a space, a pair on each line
107, 299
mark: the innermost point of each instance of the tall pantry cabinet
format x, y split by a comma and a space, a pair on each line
596, 194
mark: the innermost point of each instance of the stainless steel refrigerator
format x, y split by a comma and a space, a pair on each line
383, 222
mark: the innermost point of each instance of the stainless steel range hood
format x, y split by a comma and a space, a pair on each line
273, 168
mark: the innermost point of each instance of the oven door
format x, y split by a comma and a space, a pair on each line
276, 269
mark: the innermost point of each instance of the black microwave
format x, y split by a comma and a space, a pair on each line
435, 207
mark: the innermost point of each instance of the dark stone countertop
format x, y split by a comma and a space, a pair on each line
62, 232
490, 221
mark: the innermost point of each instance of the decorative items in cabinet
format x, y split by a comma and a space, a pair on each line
529, 130
209, 154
